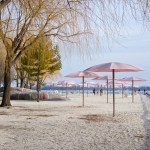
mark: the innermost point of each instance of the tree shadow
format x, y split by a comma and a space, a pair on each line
146, 120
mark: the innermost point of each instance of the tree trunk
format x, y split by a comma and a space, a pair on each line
38, 91
21, 82
38, 83
7, 83
17, 83
26, 83
30, 86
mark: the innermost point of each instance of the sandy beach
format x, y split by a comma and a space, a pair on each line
65, 125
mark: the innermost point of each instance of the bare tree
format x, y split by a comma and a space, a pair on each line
2, 63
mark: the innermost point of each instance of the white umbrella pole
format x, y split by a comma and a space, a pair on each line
87, 90
83, 90
113, 74
122, 90
132, 91
66, 90
107, 91
99, 89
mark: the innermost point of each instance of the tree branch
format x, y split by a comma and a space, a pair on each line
3, 3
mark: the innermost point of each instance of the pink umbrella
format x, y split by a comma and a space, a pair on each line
122, 83
101, 84
107, 78
132, 79
48, 81
114, 67
82, 74
66, 83
88, 83
118, 82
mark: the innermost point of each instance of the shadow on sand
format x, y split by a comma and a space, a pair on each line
146, 119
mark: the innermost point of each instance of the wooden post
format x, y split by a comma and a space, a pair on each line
83, 90
66, 90
132, 91
113, 74
107, 91
122, 90
87, 89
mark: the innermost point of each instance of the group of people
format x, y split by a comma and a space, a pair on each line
101, 91
140, 91
94, 91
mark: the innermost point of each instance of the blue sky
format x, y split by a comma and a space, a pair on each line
132, 47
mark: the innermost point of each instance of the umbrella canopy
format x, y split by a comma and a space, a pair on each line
133, 79
102, 84
90, 83
114, 67
49, 81
118, 67
118, 83
105, 78
66, 83
82, 74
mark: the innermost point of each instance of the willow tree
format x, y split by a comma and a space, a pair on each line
64, 19
33, 19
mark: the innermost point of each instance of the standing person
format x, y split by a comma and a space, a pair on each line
101, 92
94, 91
144, 91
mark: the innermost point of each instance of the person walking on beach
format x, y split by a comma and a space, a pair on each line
144, 91
94, 91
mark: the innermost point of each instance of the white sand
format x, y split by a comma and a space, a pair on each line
64, 125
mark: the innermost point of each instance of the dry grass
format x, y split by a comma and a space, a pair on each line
31, 110
141, 136
19, 107
98, 118
4, 113
82, 106
4, 127
39, 115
